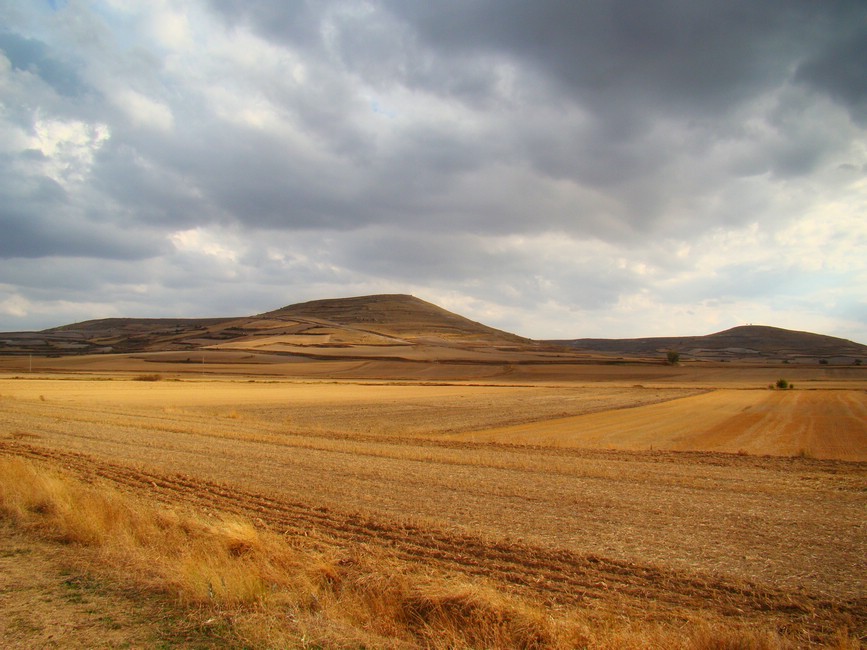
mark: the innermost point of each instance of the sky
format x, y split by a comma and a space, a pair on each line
554, 168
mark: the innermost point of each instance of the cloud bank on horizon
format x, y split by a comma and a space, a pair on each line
552, 168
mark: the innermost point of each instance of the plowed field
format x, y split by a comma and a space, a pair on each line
649, 535
821, 424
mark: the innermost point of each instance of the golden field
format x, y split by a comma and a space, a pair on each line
436, 505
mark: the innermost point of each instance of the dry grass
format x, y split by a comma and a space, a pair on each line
275, 594
277, 591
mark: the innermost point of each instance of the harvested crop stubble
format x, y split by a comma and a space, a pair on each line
250, 579
821, 424
652, 536
605, 590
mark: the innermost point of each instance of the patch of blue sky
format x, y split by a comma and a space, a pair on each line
379, 109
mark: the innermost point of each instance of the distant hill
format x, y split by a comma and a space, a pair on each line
397, 315
744, 342
394, 320
397, 326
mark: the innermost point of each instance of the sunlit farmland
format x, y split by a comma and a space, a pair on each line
671, 501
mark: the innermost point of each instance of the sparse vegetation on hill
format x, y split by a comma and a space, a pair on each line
399, 315
749, 342
400, 326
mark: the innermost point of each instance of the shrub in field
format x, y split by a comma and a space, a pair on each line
672, 358
782, 383
152, 377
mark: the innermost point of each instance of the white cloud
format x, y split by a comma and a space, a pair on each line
14, 305
68, 147
144, 111
202, 242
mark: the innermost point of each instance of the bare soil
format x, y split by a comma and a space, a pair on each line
819, 424
650, 535
50, 599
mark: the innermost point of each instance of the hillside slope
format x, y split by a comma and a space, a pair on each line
744, 342
397, 315
405, 327
380, 320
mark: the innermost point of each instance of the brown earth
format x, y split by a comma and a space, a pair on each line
488, 366
652, 535
401, 327
634, 490
608, 586
820, 424
738, 343
49, 599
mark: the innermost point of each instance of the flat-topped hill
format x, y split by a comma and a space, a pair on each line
380, 320
398, 315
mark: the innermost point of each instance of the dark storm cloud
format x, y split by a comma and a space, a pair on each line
677, 54
590, 83
839, 69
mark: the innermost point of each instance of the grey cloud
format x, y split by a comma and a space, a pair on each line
422, 256
378, 46
484, 269
33, 56
584, 127
839, 69
399, 138
261, 183
741, 282
44, 234
39, 218
694, 55
155, 194
298, 21
74, 278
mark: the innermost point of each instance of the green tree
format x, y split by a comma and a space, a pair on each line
672, 357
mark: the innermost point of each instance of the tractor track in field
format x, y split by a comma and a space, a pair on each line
558, 577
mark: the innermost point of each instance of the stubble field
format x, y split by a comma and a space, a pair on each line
614, 499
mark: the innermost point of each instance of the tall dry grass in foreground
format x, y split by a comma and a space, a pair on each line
270, 591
